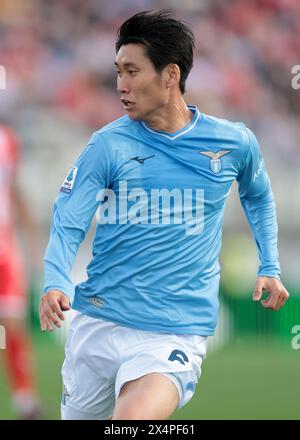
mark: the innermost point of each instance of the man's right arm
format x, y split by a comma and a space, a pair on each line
73, 211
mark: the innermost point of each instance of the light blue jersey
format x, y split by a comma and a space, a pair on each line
160, 201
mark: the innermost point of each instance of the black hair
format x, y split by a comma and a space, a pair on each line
166, 40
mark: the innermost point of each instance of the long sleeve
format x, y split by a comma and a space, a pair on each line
259, 206
73, 211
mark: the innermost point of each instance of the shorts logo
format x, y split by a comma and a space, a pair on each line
190, 387
215, 159
178, 355
65, 395
69, 181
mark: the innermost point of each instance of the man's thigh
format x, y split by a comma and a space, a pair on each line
153, 396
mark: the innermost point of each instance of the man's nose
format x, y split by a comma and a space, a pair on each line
122, 85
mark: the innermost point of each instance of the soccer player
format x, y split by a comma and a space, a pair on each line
13, 286
158, 178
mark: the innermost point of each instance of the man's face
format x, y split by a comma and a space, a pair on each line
143, 91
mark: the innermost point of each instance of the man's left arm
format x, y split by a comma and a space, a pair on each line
257, 200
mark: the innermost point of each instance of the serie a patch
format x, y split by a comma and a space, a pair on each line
69, 181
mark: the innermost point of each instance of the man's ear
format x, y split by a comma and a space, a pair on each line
172, 75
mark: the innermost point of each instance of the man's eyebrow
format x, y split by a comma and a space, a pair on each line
126, 64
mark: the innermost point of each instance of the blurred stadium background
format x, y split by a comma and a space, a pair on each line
58, 58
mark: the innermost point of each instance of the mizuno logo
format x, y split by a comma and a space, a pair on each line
141, 159
215, 159
178, 355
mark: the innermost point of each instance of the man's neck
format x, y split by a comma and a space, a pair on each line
171, 118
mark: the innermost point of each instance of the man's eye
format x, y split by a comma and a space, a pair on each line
131, 72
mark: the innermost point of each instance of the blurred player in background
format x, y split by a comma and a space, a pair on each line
13, 280
134, 350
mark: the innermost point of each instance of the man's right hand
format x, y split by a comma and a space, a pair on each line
52, 305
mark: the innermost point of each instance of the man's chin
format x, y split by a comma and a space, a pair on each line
134, 116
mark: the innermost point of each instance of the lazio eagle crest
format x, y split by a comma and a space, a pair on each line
215, 161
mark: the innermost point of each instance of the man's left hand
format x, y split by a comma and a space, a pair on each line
278, 294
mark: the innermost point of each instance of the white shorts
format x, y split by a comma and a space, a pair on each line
102, 356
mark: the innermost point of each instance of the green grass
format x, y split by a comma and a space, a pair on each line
49, 357
244, 380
